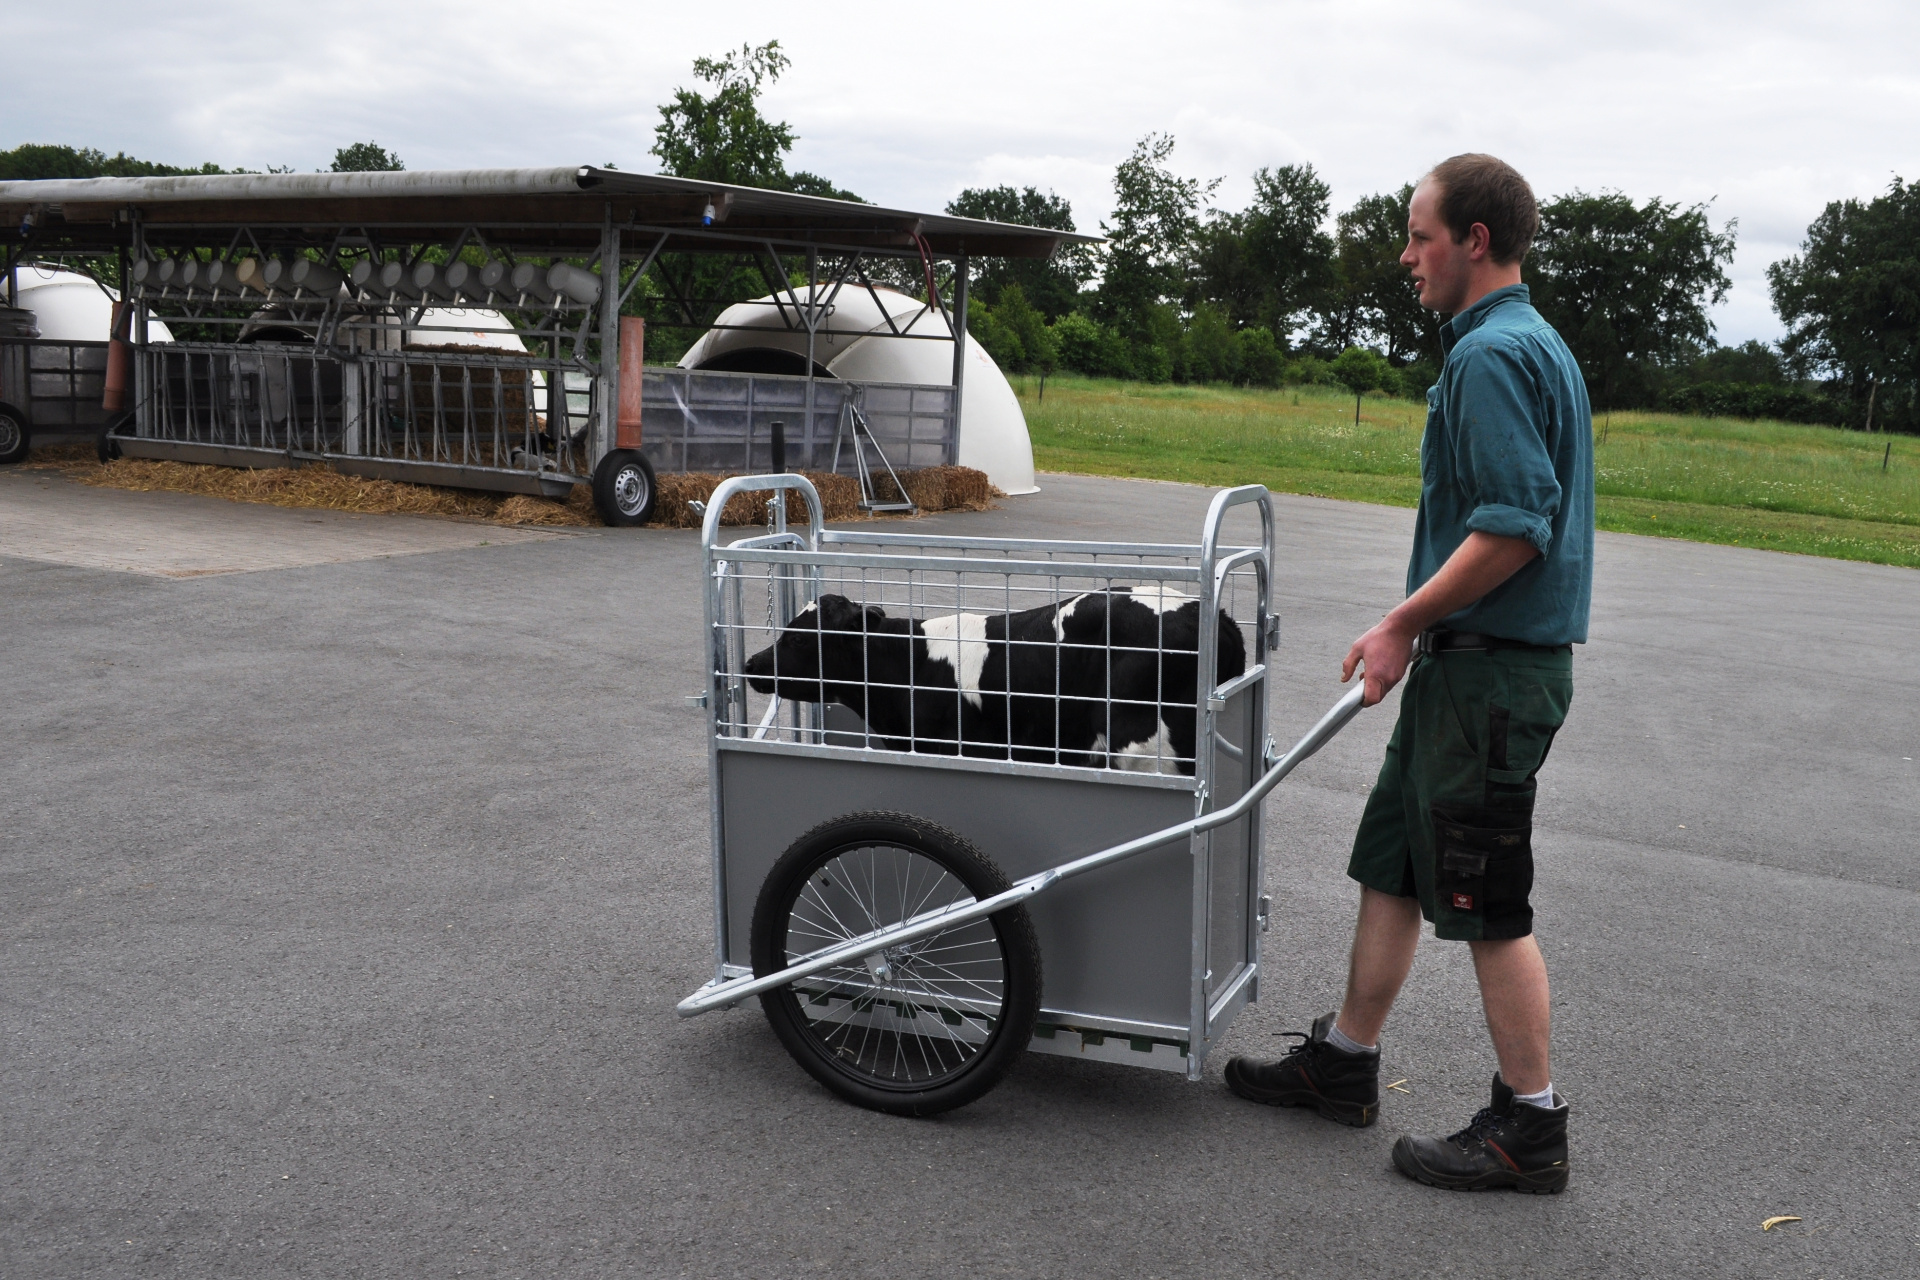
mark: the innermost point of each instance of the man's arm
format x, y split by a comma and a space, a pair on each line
1481, 563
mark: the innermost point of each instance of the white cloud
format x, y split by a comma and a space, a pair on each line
1769, 109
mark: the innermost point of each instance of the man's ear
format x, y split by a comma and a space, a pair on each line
1479, 241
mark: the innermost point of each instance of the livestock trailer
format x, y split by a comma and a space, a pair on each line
915, 907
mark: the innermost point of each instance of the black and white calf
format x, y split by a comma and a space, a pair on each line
1104, 679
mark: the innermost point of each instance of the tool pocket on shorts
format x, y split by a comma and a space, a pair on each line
1483, 865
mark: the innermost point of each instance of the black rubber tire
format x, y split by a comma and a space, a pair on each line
844, 1045
16, 437
623, 488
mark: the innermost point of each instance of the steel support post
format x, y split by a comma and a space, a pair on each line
959, 349
607, 405
812, 319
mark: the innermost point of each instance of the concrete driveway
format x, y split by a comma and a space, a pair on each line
345, 906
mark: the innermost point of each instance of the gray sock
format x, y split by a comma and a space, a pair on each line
1346, 1043
1542, 1099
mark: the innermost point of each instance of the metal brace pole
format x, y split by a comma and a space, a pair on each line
959, 350
607, 406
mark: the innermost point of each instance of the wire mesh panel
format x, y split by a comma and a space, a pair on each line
1036, 654
698, 420
64, 382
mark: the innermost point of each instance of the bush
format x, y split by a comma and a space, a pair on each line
1029, 327
1091, 348
998, 338
1779, 401
1307, 370
1261, 364
1414, 380
1152, 362
1212, 352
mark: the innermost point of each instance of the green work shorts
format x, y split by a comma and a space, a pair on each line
1450, 820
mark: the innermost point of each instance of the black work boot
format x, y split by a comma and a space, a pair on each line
1509, 1144
1339, 1085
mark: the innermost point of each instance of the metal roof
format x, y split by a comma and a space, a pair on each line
565, 206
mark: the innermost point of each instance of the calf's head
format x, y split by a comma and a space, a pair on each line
823, 646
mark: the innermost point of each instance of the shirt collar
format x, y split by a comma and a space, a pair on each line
1469, 320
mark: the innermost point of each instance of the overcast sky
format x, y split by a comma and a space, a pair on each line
1769, 110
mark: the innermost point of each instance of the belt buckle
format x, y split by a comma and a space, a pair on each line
1423, 644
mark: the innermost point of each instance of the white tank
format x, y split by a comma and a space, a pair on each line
465, 327
855, 343
70, 307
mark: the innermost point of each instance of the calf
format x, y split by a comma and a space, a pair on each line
1102, 679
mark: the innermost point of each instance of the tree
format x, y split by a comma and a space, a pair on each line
1628, 286
1373, 298
1149, 241
1052, 285
366, 157
722, 137
1851, 299
1269, 264
1360, 370
31, 161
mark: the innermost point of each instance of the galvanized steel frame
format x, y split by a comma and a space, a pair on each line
795, 558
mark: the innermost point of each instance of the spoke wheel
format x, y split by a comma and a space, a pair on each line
913, 1029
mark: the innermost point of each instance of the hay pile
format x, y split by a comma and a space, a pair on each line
317, 487
931, 488
321, 487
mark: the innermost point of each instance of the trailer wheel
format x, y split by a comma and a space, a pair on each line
15, 438
920, 1028
623, 488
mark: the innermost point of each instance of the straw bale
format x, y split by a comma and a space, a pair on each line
932, 489
321, 487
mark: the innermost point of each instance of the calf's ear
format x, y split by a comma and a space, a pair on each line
837, 613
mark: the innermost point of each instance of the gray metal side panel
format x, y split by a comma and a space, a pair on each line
1116, 944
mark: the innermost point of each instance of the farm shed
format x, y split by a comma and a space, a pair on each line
342, 318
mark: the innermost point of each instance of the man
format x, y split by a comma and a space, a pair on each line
1498, 589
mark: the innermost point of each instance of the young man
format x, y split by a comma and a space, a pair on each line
1498, 588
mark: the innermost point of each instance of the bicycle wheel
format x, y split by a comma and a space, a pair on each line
914, 1029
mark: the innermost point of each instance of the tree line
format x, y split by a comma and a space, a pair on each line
1287, 291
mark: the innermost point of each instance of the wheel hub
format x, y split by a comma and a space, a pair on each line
630, 489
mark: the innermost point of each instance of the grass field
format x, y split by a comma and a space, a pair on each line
1813, 490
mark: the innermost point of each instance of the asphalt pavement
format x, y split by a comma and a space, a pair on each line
345, 907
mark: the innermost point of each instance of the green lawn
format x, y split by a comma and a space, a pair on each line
1815, 490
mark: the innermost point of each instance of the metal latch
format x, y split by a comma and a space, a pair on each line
1269, 755
1273, 631
697, 700
1265, 913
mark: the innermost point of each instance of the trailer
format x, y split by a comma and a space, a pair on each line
330, 319
916, 907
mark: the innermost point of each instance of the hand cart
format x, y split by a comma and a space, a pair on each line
894, 905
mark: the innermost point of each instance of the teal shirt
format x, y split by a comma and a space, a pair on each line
1509, 450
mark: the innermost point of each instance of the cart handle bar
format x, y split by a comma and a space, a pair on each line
722, 994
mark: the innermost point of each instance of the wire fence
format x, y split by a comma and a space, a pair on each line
1061, 658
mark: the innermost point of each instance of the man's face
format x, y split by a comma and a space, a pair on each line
1440, 266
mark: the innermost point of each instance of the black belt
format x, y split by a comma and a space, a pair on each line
1440, 641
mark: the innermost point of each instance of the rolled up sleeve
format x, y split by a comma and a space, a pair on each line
1501, 458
